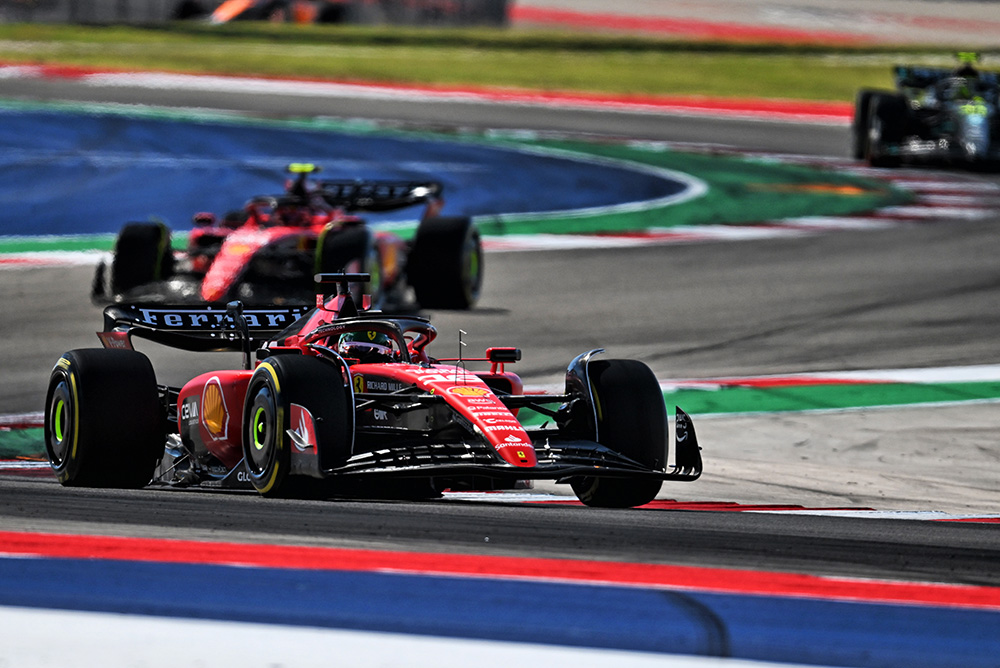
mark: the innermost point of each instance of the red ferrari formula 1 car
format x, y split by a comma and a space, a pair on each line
339, 401
270, 250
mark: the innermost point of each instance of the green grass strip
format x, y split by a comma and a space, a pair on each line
18, 443
620, 65
741, 191
42, 244
827, 397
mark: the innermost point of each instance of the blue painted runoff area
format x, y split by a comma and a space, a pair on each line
69, 172
767, 628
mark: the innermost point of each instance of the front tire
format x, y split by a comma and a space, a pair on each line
859, 126
886, 129
104, 423
632, 421
280, 385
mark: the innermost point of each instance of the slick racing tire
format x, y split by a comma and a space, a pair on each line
859, 125
887, 116
142, 255
104, 423
445, 266
302, 394
632, 421
353, 250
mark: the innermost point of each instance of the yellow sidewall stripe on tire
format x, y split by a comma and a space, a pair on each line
279, 417
64, 364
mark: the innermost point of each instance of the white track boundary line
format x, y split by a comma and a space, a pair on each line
110, 640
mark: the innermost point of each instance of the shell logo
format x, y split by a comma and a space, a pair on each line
213, 409
469, 391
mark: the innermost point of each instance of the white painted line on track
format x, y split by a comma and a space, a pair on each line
947, 186
930, 212
105, 640
838, 223
49, 259
23, 465
956, 199
34, 418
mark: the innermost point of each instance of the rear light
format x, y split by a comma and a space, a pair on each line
503, 355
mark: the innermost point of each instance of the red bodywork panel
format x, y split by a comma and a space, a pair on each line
237, 251
471, 398
210, 413
240, 245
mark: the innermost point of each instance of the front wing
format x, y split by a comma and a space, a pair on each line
930, 150
559, 459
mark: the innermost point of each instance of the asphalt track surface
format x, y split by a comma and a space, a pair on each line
903, 297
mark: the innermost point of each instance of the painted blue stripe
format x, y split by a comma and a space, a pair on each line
72, 173
767, 628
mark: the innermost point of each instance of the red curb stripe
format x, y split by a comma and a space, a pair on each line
720, 506
784, 381
692, 28
976, 26
565, 570
30, 262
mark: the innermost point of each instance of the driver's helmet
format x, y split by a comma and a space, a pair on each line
966, 64
366, 346
291, 215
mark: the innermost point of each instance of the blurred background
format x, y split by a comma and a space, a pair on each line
972, 23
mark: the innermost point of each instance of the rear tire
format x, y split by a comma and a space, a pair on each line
104, 423
631, 420
351, 250
276, 385
142, 255
445, 266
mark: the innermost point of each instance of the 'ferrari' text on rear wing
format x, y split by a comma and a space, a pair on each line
195, 328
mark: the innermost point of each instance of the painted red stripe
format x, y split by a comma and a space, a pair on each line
30, 261
725, 506
693, 28
566, 570
977, 26
786, 381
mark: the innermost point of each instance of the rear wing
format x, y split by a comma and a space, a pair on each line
210, 328
918, 77
378, 195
